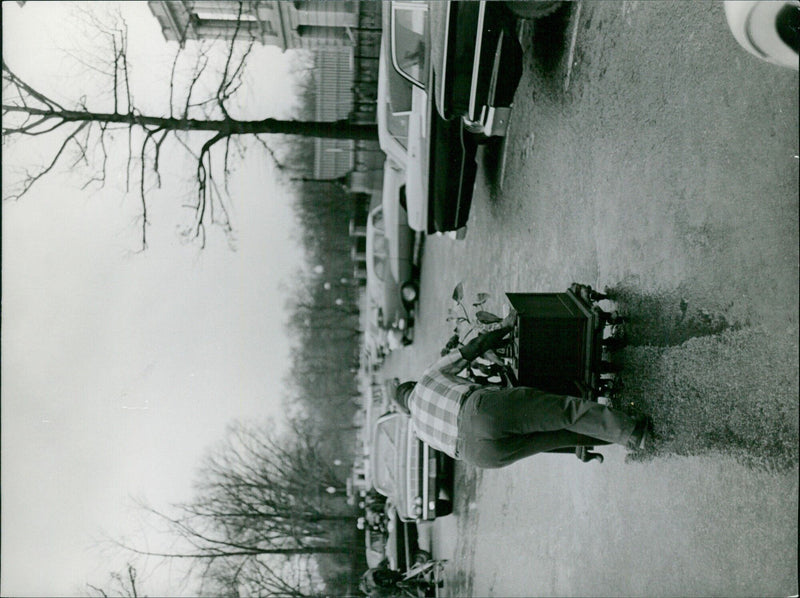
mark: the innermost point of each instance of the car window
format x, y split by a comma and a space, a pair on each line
377, 543
398, 91
379, 266
380, 246
377, 221
380, 256
409, 41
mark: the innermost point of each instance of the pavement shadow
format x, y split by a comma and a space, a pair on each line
732, 393
666, 319
491, 160
550, 40
545, 50
710, 383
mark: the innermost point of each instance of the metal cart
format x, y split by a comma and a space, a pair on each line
558, 346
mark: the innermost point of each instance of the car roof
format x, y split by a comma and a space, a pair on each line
394, 94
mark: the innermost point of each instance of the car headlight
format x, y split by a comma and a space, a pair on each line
409, 293
418, 500
418, 510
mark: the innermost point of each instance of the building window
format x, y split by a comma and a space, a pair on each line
208, 15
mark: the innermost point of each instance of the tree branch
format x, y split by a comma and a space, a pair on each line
32, 179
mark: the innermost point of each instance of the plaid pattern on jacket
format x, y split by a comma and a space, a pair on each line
436, 400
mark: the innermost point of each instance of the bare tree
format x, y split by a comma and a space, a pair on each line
203, 124
262, 501
233, 579
121, 584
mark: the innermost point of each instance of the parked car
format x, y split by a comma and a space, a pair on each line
375, 547
439, 154
769, 30
477, 59
447, 77
416, 478
375, 343
397, 545
477, 63
392, 275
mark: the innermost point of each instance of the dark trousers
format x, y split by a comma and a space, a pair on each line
497, 426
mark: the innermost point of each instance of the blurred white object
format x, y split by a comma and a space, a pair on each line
767, 29
394, 338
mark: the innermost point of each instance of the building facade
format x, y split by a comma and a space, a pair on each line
333, 99
288, 25
344, 37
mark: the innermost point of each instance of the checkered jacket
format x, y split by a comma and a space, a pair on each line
437, 397
436, 400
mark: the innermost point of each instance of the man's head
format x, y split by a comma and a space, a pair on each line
402, 393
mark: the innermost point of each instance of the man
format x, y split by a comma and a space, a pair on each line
490, 426
381, 581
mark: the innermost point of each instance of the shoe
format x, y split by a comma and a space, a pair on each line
641, 434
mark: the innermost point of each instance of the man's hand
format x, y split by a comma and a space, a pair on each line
489, 340
510, 320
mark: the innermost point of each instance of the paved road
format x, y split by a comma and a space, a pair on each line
661, 161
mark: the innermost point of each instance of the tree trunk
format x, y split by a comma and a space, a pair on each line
339, 129
250, 552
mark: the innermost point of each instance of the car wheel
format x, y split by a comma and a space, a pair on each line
533, 10
444, 506
409, 292
787, 24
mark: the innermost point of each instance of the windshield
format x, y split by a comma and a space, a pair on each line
409, 41
380, 246
384, 451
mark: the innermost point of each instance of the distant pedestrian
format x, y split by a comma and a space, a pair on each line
383, 582
492, 426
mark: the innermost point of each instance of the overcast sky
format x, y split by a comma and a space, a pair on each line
119, 368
